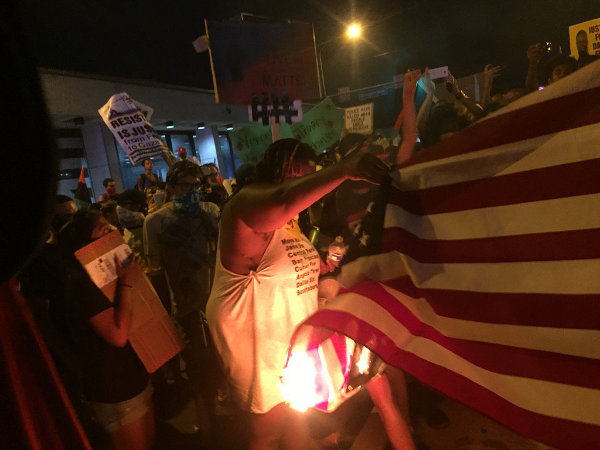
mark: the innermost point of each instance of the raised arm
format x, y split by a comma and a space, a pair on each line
265, 207
409, 123
535, 53
423, 115
489, 73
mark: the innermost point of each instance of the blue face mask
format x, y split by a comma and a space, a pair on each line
189, 204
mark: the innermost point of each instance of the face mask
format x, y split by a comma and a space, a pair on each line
111, 191
189, 204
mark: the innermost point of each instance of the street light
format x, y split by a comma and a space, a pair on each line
353, 32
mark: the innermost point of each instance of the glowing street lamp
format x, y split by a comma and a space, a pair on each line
353, 31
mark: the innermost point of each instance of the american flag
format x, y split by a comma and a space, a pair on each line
486, 283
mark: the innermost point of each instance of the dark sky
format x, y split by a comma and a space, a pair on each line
152, 39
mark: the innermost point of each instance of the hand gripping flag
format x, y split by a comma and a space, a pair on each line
486, 281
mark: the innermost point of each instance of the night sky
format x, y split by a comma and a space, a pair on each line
152, 40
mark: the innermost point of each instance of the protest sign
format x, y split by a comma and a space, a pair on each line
250, 142
251, 58
320, 128
584, 38
359, 119
129, 124
152, 335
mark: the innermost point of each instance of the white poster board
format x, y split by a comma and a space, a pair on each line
128, 122
585, 37
359, 119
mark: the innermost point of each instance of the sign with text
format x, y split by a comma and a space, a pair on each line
359, 119
152, 335
128, 122
320, 128
584, 38
253, 58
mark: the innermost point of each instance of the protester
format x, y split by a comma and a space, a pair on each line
131, 203
156, 196
255, 304
115, 382
557, 67
110, 188
148, 178
43, 277
180, 241
109, 212
214, 190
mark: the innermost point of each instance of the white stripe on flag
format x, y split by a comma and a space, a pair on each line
560, 400
546, 277
528, 154
580, 212
567, 341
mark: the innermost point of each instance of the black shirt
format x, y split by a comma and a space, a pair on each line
110, 374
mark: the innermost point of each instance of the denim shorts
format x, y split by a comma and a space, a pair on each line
113, 416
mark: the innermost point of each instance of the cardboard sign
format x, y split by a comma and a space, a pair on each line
251, 58
152, 335
359, 119
131, 128
584, 38
320, 128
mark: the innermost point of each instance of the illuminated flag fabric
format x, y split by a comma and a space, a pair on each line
486, 281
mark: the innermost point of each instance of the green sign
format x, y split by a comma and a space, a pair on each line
320, 128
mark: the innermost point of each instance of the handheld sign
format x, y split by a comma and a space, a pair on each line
584, 39
359, 119
128, 122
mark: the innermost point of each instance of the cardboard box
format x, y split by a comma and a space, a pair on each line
153, 335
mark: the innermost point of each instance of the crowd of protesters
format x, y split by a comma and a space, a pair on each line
217, 262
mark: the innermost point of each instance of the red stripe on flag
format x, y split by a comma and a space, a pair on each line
548, 183
540, 119
554, 246
497, 358
553, 431
542, 310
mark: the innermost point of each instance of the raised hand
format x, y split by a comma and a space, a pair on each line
490, 72
426, 82
366, 167
452, 84
535, 52
410, 84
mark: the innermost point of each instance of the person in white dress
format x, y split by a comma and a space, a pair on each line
266, 280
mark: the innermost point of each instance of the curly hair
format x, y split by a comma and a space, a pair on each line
280, 157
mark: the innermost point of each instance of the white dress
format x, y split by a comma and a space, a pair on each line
252, 317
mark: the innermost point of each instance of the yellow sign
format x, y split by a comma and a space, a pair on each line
585, 38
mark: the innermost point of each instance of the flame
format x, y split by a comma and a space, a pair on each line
363, 362
299, 381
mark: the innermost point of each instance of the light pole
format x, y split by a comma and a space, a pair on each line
353, 32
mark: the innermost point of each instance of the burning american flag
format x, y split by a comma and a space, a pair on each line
479, 272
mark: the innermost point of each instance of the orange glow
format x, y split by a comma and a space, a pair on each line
353, 31
363, 362
299, 382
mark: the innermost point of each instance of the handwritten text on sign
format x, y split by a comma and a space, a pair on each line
130, 127
359, 119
